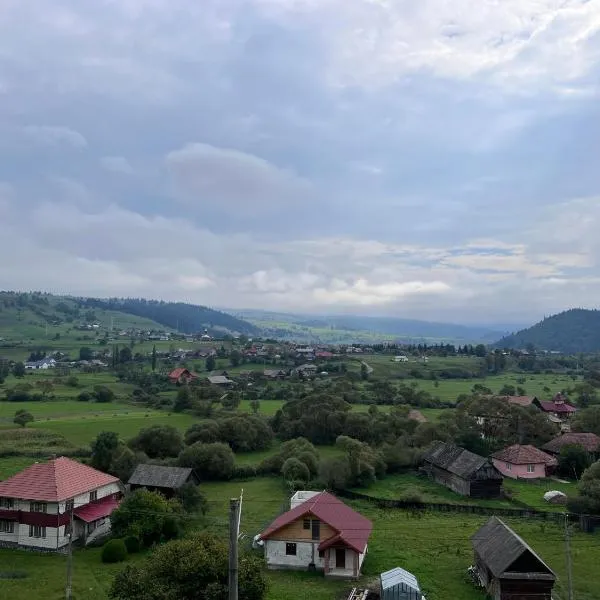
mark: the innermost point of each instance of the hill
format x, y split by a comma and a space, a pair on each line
361, 329
570, 332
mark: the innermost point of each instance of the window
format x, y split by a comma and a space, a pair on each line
316, 529
37, 531
321, 553
69, 505
93, 495
508, 466
290, 549
306, 524
67, 529
531, 468
38, 507
7, 526
7, 503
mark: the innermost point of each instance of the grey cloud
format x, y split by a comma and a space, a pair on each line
49, 136
117, 164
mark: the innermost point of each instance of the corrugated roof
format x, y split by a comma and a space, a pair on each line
590, 441
455, 459
352, 528
56, 480
218, 379
160, 476
398, 576
524, 455
96, 510
499, 547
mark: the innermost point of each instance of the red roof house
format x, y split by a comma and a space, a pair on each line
558, 406
181, 375
589, 441
523, 462
321, 533
36, 504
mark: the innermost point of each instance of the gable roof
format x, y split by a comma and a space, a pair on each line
524, 455
352, 528
455, 459
590, 441
218, 379
159, 476
177, 373
556, 407
499, 547
56, 480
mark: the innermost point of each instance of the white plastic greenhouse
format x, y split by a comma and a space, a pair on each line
398, 584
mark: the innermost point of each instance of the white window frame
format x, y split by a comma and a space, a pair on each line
37, 531
531, 468
7, 526
39, 507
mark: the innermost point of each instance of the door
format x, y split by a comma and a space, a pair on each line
316, 529
340, 558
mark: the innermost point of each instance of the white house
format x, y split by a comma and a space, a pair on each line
319, 532
38, 505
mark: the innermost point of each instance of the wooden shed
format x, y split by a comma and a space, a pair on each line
398, 584
462, 471
166, 480
508, 567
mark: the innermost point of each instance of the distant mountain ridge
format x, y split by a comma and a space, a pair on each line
358, 328
572, 331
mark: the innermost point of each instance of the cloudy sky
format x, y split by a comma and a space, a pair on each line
430, 159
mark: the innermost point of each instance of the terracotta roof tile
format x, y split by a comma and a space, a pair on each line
56, 480
523, 455
590, 441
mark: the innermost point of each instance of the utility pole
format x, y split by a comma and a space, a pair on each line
69, 588
568, 553
234, 520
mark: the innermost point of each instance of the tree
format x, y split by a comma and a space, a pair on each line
211, 363
124, 462
294, 470
364, 372
18, 370
334, 473
154, 358
104, 448
22, 417
480, 351
45, 386
183, 399
235, 358
364, 462
85, 353
255, 406
125, 355
210, 461
158, 441
145, 515
573, 461
192, 498
589, 491
587, 420
195, 568
103, 394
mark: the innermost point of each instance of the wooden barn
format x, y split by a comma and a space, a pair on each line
166, 480
462, 471
507, 567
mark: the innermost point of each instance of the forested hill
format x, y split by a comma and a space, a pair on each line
186, 318
572, 331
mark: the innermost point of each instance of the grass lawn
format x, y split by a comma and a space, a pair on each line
532, 492
10, 465
64, 408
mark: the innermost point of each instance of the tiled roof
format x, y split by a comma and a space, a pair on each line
590, 441
352, 528
56, 480
524, 455
177, 373
556, 407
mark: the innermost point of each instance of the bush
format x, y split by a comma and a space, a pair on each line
133, 544
210, 461
72, 381
85, 397
244, 472
412, 494
114, 551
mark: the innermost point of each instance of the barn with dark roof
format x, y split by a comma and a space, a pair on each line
462, 471
157, 478
508, 567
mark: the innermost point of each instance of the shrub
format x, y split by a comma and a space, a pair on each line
412, 494
133, 544
210, 461
72, 381
114, 551
244, 472
85, 397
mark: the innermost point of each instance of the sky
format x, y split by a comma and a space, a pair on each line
433, 160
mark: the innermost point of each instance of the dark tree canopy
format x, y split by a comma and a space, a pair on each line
158, 441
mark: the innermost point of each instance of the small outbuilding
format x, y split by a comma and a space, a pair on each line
462, 471
507, 567
398, 584
166, 480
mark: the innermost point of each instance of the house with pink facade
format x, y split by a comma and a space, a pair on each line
524, 462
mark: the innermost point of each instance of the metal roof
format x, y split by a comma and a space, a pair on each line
160, 476
399, 576
500, 547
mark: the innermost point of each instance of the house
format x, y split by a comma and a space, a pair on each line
181, 375
589, 441
524, 462
318, 532
507, 567
166, 480
324, 354
45, 363
401, 358
274, 373
558, 408
220, 380
306, 370
417, 415
36, 505
462, 471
